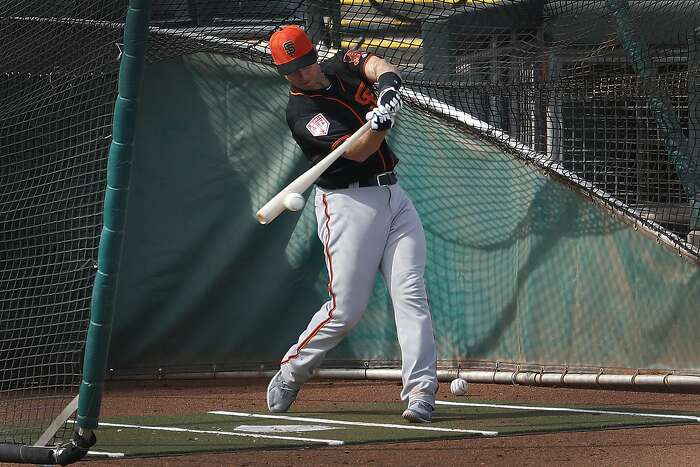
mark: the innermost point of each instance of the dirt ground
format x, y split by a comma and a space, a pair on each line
677, 446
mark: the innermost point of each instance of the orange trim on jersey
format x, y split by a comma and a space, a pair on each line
327, 251
339, 140
381, 154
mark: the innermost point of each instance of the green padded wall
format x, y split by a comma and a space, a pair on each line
520, 269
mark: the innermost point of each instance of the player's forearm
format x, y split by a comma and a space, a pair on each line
370, 142
364, 147
376, 67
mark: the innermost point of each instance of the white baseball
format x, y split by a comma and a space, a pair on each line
459, 387
293, 201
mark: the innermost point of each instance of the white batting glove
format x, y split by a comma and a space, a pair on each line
381, 119
390, 100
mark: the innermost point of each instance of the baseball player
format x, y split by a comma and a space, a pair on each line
366, 222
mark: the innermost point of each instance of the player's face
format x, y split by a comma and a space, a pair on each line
309, 77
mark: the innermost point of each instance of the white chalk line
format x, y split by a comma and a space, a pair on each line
566, 409
330, 442
111, 455
345, 422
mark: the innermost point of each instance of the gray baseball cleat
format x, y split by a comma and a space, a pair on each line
418, 412
280, 394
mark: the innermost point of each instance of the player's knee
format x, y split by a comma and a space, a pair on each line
347, 317
410, 292
409, 283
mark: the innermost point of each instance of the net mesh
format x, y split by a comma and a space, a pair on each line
602, 94
596, 90
58, 72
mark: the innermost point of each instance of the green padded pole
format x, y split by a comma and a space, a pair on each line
114, 218
669, 126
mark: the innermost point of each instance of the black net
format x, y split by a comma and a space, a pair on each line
601, 96
58, 75
601, 92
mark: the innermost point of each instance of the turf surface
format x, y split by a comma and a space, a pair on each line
208, 432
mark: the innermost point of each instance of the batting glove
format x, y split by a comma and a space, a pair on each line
380, 118
389, 97
390, 100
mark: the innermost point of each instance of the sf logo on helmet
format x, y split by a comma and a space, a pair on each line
290, 48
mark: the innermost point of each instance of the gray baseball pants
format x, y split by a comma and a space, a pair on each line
365, 230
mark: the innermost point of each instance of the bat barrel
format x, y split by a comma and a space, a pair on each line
275, 206
271, 209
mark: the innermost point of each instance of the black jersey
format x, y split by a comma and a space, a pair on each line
322, 119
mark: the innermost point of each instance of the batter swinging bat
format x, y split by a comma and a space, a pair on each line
275, 206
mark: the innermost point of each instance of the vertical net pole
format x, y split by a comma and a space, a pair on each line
115, 204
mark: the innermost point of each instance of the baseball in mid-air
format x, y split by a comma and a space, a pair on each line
459, 387
293, 201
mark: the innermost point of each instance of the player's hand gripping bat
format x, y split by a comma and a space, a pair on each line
290, 197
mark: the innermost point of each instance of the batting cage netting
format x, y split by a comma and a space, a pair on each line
58, 75
602, 93
501, 98
543, 144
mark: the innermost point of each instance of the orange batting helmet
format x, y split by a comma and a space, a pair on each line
291, 49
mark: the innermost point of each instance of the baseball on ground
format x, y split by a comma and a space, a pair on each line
294, 201
459, 387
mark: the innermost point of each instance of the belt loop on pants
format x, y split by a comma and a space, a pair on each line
386, 178
382, 179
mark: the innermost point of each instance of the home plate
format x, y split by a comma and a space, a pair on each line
284, 428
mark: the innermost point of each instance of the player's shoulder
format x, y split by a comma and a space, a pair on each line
296, 107
300, 103
345, 60
332, 63
300, 109
355, 57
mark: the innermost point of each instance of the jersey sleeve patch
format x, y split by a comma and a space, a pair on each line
318, 126
354, 56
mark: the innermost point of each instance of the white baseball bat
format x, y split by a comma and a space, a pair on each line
275, 206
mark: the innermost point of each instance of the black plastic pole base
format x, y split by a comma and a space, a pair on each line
65, 454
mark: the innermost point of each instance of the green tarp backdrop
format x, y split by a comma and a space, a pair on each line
521, 269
